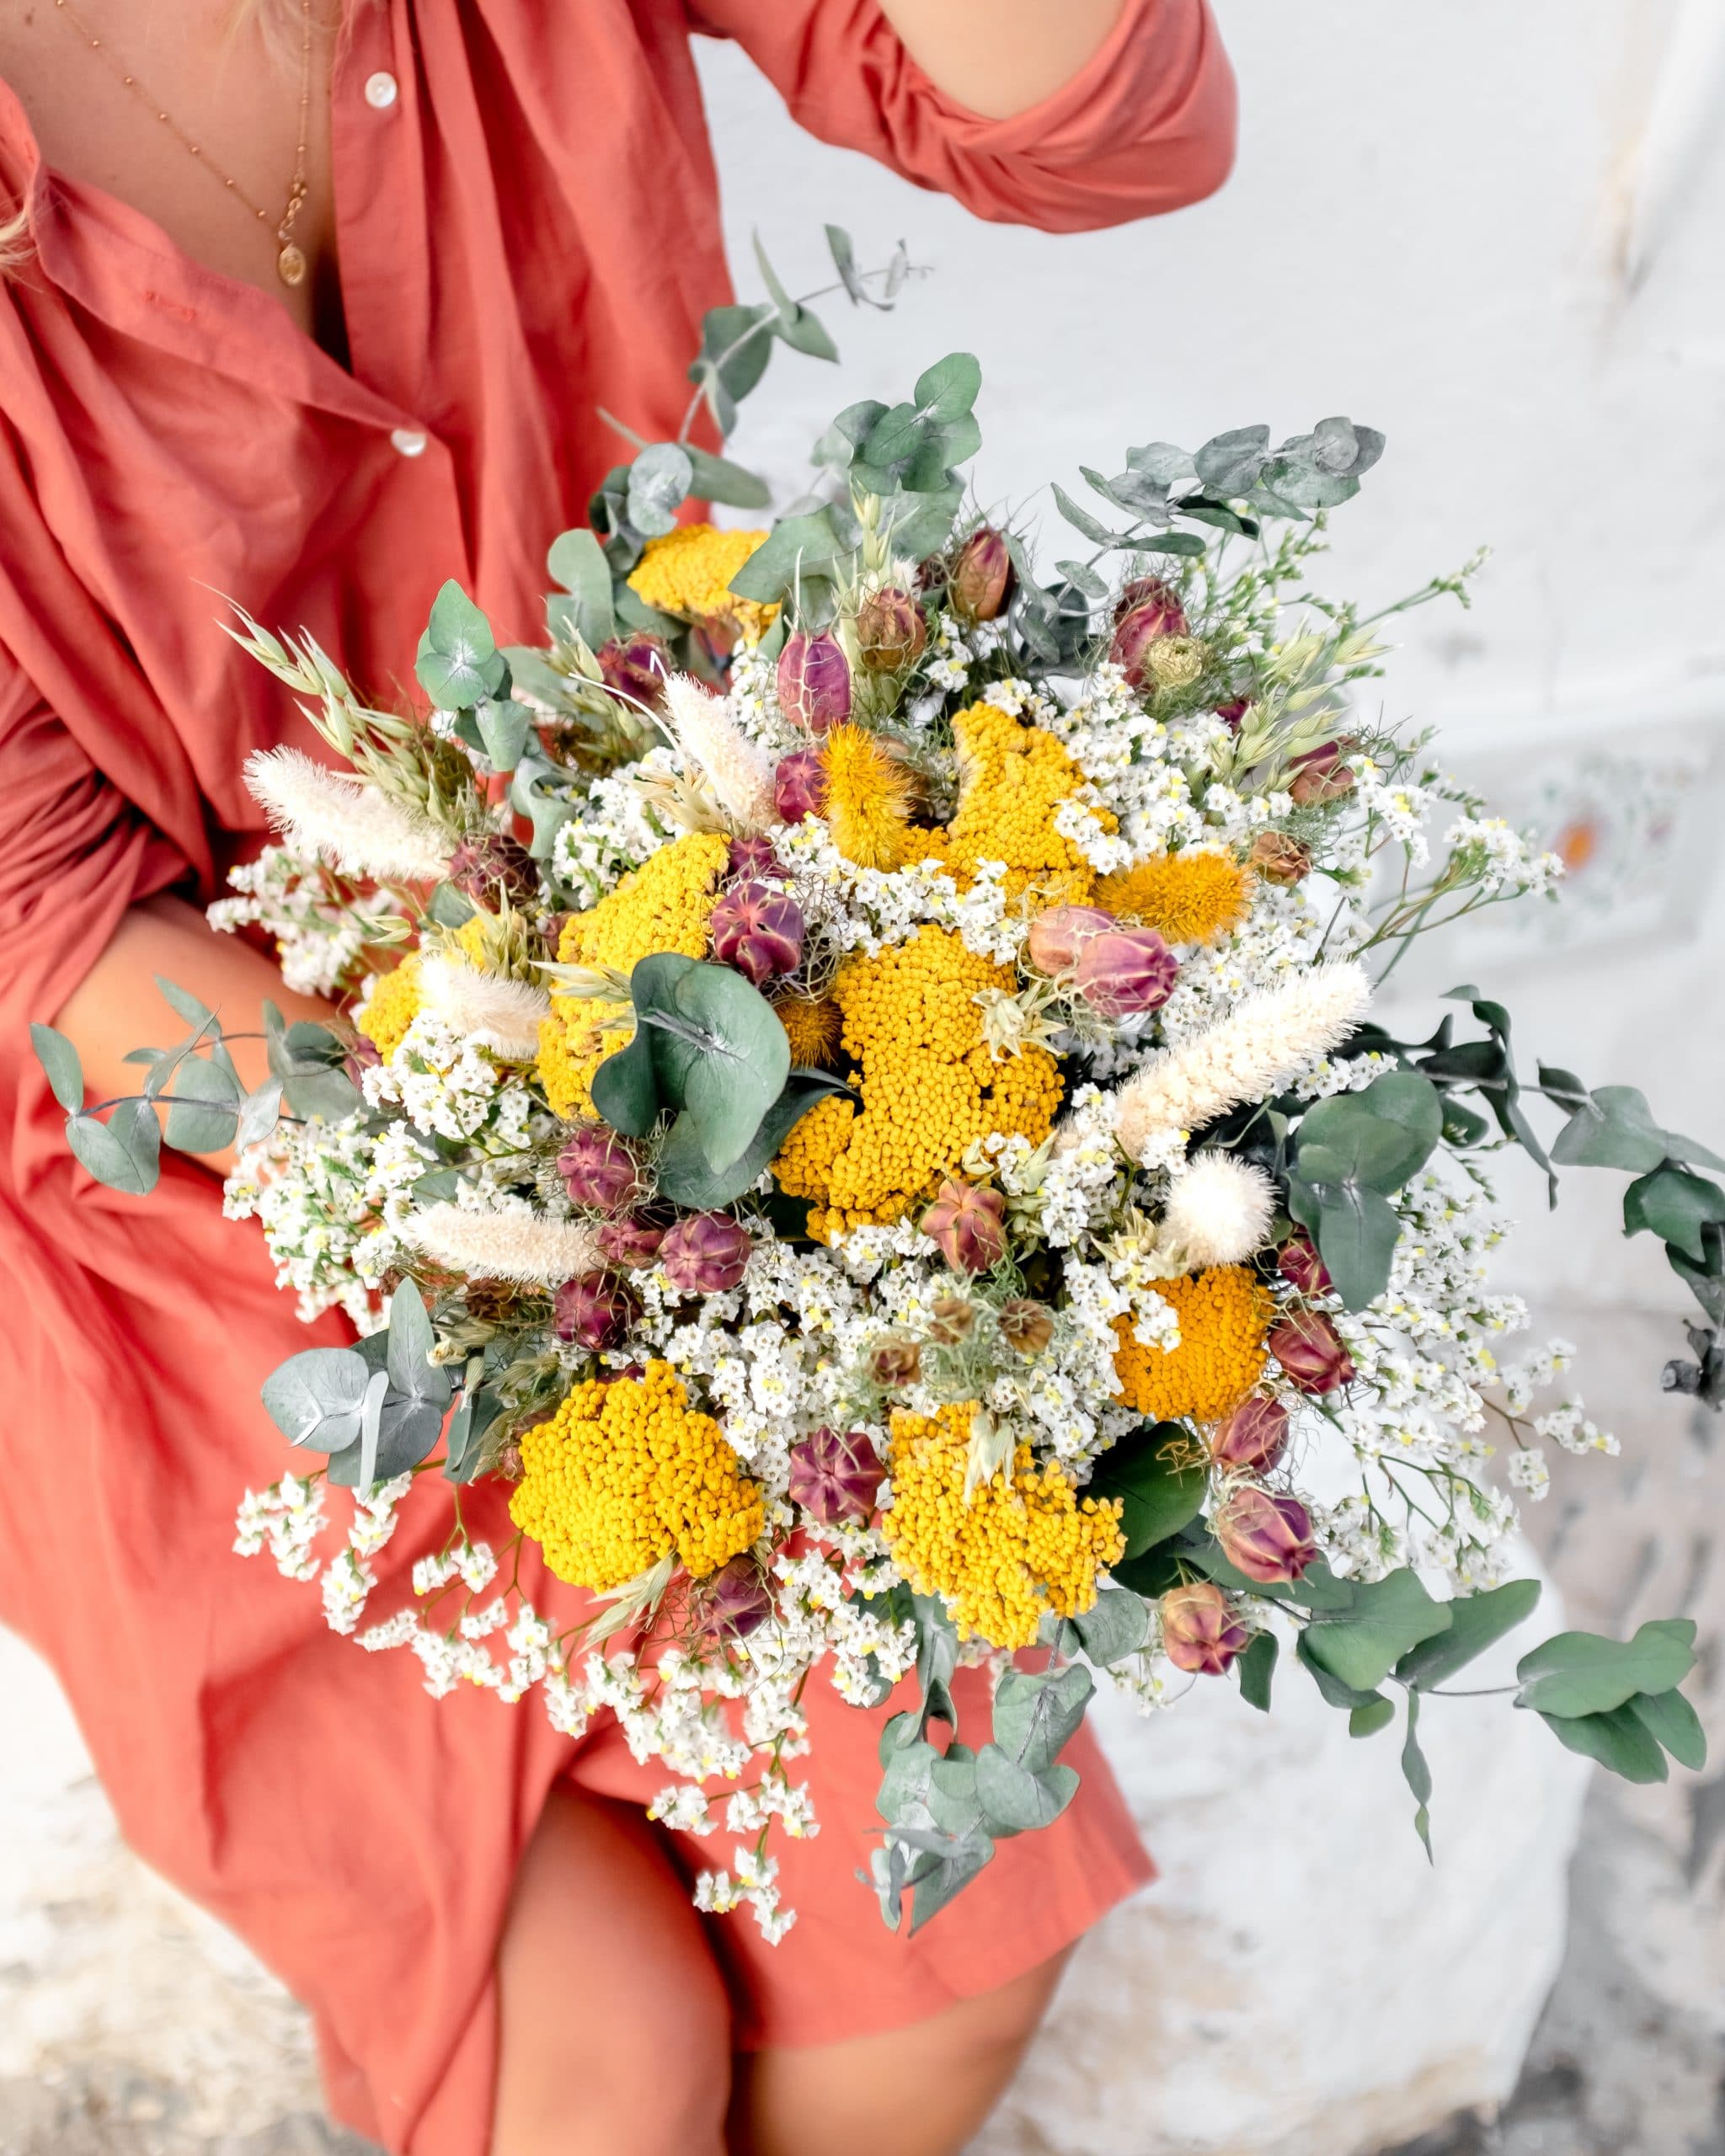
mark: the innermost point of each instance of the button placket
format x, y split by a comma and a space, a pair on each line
381, 90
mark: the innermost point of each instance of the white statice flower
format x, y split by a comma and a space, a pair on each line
1569, 1427
617, 828
684, 1809
310, 1185
448, 1086
318, 942
286, 1519
354, 827
1400, 806
1528, 1472
1503, 859
347, 1580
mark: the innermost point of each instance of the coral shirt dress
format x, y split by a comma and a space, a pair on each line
528, 230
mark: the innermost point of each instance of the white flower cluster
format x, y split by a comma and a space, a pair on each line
318, 934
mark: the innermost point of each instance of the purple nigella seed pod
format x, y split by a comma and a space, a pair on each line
1147, 608
1126, 970
890, 631
1057, 937
1301, 1267
735, 1601
1200, 1632
1310, 1352
598, 1169
493, 863
597, 1310
1266, 1537
800, 786
631, 1242
981, 576
1252, 1438
835, 1476
636, 666
705, 1253
753, 857
814, 681
969, 1225
757, 930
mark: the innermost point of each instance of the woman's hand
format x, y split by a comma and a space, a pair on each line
999, 57
118, 1006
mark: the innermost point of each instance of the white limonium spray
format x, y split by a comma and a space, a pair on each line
1262, 1046
357, 829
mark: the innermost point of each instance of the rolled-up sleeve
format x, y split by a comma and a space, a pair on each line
1146, 126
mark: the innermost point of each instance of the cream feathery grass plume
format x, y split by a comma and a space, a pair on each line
500, 1014
357, 829
739, 774
524, 1247
1263, 1044
1218, 1212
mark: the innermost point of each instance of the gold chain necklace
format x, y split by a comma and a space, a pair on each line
290, 264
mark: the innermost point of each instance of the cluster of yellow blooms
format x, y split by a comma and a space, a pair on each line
812, 1029
1223, 1315
663, 905
1022, 1545
394, 1003
1190, 897
1012, 778
914, 1032
625, 1474
688, 572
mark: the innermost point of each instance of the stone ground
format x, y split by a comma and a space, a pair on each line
1629, 2059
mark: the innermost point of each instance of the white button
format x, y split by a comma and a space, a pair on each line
408, 442
381, 90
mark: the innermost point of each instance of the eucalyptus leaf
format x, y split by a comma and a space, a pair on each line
716, 479
314, 1398
1015, 1801
1616, 1737
1081, 519
624, 1089
62, 1066
1582, 1673
660, 480
1389, 1617
1670, 1717
1117, 1624
1035, 1714
458, 663
503, 727
742, 1062
1229, 463
577, 562
1675, 1204
687, 1179
797, 547
259, 1115
1417, 1775
801, 330
1476, 1622
1258, 1669
191, 1008
1376, 1714
204, 1108
1160, 1486
125, 1152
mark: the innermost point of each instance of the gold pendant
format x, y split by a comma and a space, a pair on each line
290, 265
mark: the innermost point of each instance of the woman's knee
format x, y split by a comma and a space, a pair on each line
616, 2032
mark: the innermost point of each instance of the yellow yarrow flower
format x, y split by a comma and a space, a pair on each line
1024, 1544
664, 906
1191, 898
812, 1029
1012, 779
626, 1473
913, 1030
688, 572
392, 1007
1223, 1315
868, 796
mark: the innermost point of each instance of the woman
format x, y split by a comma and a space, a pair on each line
317, 319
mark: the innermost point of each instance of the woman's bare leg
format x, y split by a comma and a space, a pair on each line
920, 2091
615, 2029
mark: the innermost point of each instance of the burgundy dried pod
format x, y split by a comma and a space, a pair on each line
890, 631
705, 1253
1267, 1538
1026, 1325
1200, 1632
735, 1601
597, 1311
1320, 774
495, 863
895, 1363
753, 857
814, 681
980, 576
757, 930
630, 1243
598, 1168
1232, 712
1300, 1265
835, 1476
969, 1225
800, 786
1310, 1352
1252, 1438
1057, 937
1279, 859
362, 1055
1126, 970
1147, 608
636, 666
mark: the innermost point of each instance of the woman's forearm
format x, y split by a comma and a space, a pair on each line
999, 57
118, 1006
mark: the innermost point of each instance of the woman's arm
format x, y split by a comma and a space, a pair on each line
998, 57
117, 1005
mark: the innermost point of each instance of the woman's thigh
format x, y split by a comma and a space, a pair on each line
615, 2031
917, 2091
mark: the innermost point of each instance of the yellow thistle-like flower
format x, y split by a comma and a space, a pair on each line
1013, 780
1223, 1315
626, 1473
392, 1007
1191, 898
688, 572
917, 1037
663, 905
869, 797
812, 1029
1024, 1544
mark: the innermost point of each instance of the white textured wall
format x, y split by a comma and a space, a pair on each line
1424, 231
